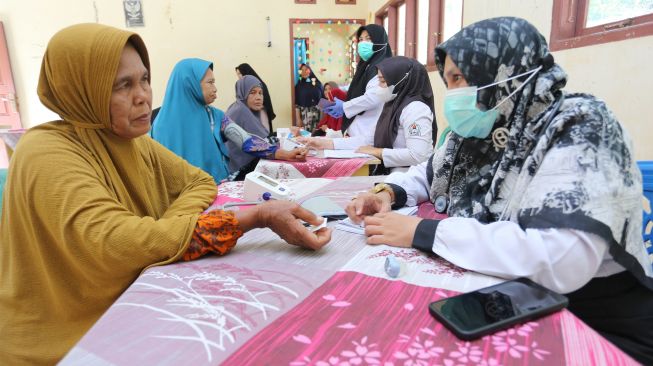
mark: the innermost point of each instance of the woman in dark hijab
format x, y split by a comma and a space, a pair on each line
362, 108
536, 183
308, 92
405, 131
268, 111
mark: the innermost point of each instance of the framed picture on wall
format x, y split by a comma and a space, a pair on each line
304, 1
133, 13
347, 2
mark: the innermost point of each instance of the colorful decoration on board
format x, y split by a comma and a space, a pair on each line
331, 56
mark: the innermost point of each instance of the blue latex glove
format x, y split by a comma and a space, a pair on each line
336, 110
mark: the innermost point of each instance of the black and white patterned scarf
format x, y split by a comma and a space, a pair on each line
567, 163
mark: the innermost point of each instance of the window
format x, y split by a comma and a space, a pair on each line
423, 30
415, 27
401, 30
578, 23
452, 19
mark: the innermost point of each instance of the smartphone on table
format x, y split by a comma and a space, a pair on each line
488, 310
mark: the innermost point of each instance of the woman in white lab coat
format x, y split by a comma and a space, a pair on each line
406, 129
536, 183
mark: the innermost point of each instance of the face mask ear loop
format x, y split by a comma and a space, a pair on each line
533, 73
402, 79
380, 49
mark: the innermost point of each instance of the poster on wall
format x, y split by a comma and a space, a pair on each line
133, 13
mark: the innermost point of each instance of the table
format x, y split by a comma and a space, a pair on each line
315, 167
269, 303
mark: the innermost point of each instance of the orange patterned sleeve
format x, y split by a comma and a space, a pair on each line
215, 232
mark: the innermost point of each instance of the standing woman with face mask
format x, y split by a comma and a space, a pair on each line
363, 107
406, 129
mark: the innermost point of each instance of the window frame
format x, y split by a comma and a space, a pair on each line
436, 21
568, 27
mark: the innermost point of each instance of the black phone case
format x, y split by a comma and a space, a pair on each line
562, 302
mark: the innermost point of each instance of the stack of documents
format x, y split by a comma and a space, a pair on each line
350, 226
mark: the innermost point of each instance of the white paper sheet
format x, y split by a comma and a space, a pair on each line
350, 226
345, 154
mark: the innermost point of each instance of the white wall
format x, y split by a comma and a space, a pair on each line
225, 32
617, 72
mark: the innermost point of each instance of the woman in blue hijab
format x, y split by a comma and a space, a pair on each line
187, 124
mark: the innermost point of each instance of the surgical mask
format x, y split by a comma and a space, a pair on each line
464, 117
365, 49
387, 94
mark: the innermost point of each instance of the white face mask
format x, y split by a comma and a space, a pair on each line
386, 94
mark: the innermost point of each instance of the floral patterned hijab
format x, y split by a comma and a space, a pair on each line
565, 161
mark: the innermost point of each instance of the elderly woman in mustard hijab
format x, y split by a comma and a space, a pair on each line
94, 201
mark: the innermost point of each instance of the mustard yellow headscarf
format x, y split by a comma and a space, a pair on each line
85, 211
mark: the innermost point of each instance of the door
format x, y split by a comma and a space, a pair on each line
300, 56
9, 117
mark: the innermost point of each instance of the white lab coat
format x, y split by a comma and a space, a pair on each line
561, 259
414, 141
361, 130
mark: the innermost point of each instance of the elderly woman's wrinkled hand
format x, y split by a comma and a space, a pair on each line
366, 204
283, 217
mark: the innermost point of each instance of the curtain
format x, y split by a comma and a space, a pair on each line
300, 55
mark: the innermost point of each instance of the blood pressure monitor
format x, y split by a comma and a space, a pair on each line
257, 184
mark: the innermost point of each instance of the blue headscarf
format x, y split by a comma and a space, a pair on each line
183, 125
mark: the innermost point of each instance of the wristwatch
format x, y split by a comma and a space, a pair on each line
380, 187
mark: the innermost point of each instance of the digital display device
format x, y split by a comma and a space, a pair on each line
268, 181
488, 310
259, 187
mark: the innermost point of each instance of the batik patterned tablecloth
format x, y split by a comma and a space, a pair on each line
270, 303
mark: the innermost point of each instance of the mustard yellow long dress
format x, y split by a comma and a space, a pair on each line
85, 211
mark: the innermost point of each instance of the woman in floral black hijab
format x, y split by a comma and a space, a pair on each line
536, 182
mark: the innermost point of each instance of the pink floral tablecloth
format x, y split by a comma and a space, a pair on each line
311, 168
269, 303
